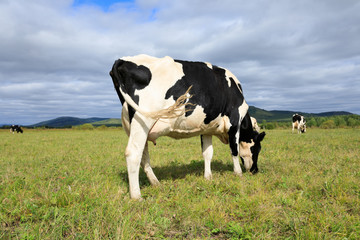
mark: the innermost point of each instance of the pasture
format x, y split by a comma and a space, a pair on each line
73, 184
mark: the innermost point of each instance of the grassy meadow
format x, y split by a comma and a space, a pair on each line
72, 184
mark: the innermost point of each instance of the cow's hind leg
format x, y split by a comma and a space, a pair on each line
134, 153
145, 164
207, 151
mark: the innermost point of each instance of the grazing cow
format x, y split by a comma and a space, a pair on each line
254, 124
181, 99
298, 122
16, 128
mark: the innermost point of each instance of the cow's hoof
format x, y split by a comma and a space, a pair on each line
239, 174
208, 177
154, 182
140, 199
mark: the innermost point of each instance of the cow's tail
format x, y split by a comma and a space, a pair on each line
174, 111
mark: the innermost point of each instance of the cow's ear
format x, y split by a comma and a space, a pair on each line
260, 137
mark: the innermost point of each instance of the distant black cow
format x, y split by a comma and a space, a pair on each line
298, 122
16, 128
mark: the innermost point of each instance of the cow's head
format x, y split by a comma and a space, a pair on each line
303, 128
249, 152
249, 146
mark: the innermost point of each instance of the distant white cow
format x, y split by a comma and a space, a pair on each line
254, 124
298, 122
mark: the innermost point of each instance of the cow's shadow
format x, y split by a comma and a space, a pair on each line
179, 171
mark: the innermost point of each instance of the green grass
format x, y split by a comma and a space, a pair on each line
73, 184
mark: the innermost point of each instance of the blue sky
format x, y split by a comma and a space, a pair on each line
104, 4
55, 56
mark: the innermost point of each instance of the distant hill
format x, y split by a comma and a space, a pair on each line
62, 122
258, 113
278, 116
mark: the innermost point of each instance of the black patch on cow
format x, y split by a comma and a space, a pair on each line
202, 142
210, 90
255, 150
130, 77
246, 129
296, 118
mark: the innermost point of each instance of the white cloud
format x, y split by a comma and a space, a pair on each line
297, 55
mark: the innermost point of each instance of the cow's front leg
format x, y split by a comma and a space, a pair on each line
237, 167
234, 138
207, 151
145, 164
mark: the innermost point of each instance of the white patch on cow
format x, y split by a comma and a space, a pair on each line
254, 124
246, 154
229, 75
142, 59
192, 125
243, 110
209, 65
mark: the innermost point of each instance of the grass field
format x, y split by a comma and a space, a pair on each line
73, 184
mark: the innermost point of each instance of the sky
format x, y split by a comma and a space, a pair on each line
55, 56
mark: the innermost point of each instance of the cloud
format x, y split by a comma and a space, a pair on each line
55, 56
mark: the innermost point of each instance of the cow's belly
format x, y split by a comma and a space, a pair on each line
193, 125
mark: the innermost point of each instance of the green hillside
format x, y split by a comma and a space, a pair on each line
108, 122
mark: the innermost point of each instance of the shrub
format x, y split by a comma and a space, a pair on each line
311, 123
270, 125
86, 126
328, 124
352, 122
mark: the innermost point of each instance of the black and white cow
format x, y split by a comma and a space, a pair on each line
16, 128
298, 122
181, 99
